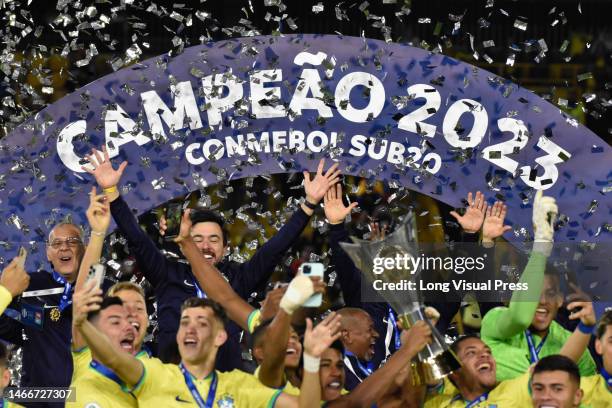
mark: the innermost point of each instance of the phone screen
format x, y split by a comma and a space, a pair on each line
174, 212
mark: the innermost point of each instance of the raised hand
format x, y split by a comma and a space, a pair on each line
185, 229
317, 187
335, 210
493, 225
102, 169
471, 221
85, 300
584, 312
581, 302
544, 214
270, 305
98, 213
317, 340
14, 278
377, 232
416, 337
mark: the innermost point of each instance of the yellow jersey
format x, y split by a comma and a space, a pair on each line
95, 390
288, 388
596, 392
163, 385
10, 404
82, 357
507, 394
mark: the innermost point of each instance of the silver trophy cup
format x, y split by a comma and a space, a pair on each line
436, 360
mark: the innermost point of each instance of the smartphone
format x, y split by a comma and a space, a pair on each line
96, 273
21, 257
313, 269
174, 214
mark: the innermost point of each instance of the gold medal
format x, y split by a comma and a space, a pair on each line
55, 314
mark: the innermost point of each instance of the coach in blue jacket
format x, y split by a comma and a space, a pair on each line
174, 281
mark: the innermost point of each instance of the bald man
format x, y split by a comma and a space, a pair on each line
358, 337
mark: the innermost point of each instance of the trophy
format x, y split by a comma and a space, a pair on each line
436, 360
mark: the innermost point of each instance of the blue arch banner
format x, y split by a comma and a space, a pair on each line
276, 104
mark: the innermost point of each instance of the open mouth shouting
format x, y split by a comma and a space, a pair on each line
333, 386
541, 315
484, 368
127, 343
208, 255
190, 342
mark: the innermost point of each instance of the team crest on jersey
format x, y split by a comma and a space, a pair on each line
226, 401
92, 405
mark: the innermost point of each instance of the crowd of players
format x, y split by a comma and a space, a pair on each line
93, 337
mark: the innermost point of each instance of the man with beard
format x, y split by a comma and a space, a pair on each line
555, 383
598, 388
174, 281
46, 352
525, 331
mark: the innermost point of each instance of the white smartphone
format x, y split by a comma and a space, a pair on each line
96, 273
313, 269
23, 253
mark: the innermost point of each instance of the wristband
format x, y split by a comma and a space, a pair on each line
98, 233
310, 205
311, 364
586, 329
110, 190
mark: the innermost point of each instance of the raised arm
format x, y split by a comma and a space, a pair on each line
126, 366
316, 341
98, 215
210, 279
272, 368
258, 268
149, 257
578, 342
348, 274
380, 381
519, 314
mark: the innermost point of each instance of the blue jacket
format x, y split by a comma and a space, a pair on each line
174, 282
47, 361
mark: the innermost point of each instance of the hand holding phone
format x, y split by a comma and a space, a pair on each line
313, 269
96, 273
174, 215
21, 257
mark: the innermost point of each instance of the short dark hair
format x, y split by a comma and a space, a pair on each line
218, 311
557, 362
455, 345
337, 345
201, 215
107, 302
258, 334
604, 322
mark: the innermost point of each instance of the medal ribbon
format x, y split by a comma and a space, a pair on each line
477, 401
66, 295
367, 370
534, 351
210, 399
